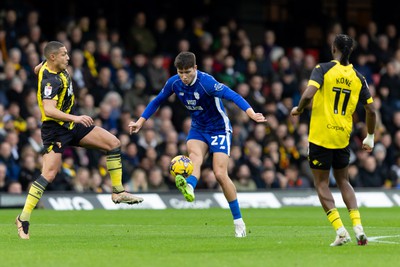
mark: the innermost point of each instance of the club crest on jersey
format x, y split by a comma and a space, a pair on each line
218, 86
196, 95
181, 93
48, 89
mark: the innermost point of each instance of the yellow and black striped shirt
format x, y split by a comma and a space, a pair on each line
340, 89
56, 86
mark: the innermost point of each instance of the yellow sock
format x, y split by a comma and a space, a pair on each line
34, 195
114, 167
334, 218
355, 217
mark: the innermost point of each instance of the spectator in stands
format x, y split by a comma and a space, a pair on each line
141, 37
14, 187
162, 37
87, 106
370, 176
263, 64
243, 178
158, 75
243, 58
208, 180
272, 50
103, 86
11, 27
82, 181
3, 177
124, 81
156, 181
138, 181
229, 76
362, 66
6, 157
81, 73
293, 179
384, 53
388, 87
118, 61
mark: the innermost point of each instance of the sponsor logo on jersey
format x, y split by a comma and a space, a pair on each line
218, 86
191, 102
48, 89
335, 127
193, 107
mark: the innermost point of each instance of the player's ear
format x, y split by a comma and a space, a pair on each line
195, 67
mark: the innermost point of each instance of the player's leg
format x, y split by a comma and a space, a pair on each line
197, 150
220, 167
349, 198
99, 138
51, 166
320, 160
321, 181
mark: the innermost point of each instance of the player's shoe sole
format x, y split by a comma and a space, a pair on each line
185, 189
23, 228
125, 197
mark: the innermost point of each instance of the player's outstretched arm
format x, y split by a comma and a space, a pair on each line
135, 126
258, 117
305, 100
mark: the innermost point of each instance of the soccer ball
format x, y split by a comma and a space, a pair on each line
181, 165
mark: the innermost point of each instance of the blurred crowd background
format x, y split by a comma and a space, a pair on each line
121, 56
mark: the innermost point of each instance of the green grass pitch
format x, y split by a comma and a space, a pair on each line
276, 237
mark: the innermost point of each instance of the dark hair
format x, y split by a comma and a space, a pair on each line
52, 48
185, 60
344, 44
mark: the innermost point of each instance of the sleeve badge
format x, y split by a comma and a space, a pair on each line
48, 89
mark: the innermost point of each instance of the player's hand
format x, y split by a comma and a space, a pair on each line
37, 68
295, 111
85, 120
259, 117
134, 127
368, 143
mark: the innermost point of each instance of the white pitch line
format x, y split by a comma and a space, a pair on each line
378, 239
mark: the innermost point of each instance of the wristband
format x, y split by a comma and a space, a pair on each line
369, 140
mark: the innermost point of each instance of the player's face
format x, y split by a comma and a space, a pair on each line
187, 75
61, 59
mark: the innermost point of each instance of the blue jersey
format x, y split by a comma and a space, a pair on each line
203, 98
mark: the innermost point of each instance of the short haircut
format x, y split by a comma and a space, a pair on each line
52, 48
185, 60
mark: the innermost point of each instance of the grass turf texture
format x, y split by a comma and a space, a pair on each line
276, 237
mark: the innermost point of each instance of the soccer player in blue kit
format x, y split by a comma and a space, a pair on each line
210, 130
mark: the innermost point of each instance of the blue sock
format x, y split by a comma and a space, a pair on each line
192, 181
235, 210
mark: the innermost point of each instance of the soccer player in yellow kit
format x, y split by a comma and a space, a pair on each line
335, 88
61, 128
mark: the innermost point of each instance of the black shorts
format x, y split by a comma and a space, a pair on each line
56, 137
324, 158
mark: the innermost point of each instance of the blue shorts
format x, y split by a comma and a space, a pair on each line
216, 141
